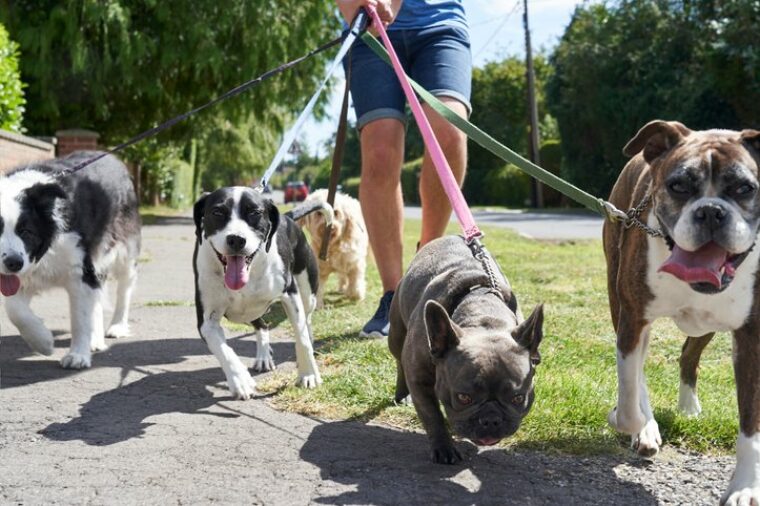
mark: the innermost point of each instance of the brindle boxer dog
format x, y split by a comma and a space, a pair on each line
702, 274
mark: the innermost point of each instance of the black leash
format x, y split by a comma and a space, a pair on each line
229, 94
337, 159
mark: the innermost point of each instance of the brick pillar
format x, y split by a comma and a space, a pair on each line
76, 139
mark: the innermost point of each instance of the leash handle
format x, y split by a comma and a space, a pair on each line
449, 183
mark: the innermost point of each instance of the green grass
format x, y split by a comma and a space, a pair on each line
576, 382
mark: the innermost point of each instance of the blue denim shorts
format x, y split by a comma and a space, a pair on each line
438, 58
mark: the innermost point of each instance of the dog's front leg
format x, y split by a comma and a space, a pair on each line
308, 374
87, 334
632, 338
744, 487
29, 325
442, 449
264, 360
239, 380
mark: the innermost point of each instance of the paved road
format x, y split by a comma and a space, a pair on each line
537, 225
152, 423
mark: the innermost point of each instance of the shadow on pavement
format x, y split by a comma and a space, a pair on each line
385, 466
119, 414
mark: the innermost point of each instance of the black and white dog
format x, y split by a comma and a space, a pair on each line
72, 230
248, 256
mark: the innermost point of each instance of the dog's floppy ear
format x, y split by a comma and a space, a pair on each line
530, 332
198, 209
655, 138
42, 196
752, 137
443, 334
274, 222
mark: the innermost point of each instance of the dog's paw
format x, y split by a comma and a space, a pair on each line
626, 423
647, 442
98, 345
76, 361
740, 497
309, 380
118, 331
445, 453
242, 385
40, 340
264, 361
404, 401
688, 402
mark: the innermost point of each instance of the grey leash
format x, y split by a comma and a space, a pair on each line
631, 218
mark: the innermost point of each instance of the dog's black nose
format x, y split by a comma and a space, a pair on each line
235, 242
489, 421
13, 263
712, 214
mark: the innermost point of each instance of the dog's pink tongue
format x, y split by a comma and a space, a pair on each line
236, 275
701, 266
9, 284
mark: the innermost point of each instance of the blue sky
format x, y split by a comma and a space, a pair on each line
495, 31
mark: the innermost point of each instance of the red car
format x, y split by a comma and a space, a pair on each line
296, 191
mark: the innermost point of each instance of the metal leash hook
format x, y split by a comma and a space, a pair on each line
486, 260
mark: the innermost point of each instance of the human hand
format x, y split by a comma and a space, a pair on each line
387, 10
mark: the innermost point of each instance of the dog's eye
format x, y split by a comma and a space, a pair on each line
518, 400
25, 233
464, 399
744, 190
218, 212
678, 187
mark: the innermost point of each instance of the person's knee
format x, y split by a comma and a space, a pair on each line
382, 152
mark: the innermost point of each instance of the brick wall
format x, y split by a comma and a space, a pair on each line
76, 140
18, 149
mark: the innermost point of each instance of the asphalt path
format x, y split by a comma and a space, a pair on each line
152, 422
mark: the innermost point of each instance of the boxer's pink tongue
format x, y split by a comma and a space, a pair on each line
236, 275
701, 266
9, 284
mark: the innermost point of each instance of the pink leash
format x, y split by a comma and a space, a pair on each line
450, 186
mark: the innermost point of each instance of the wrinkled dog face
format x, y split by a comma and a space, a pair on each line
484, 384
29, 222
707, 198
237, 223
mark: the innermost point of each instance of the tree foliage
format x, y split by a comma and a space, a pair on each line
500, 107
11, 89
121, 66
622, 64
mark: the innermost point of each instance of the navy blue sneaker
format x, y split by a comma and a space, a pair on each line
378, 326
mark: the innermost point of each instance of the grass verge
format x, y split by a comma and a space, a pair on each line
576, 381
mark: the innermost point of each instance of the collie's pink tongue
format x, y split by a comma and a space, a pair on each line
236, 275
701, 266
9, 284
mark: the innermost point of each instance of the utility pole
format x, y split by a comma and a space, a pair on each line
536, 186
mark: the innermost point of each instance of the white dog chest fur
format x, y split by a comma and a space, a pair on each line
694, 313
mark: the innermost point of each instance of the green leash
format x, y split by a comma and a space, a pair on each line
597, 205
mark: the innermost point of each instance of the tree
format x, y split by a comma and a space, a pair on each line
11, 89
622, 64
122, 66
499, 106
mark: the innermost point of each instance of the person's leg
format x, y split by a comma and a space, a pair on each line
382, 149
379, 104
436, 209
442, 64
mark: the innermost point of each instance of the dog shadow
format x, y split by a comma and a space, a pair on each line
380, 465
122, 413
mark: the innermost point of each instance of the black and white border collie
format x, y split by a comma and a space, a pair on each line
72, 230
248, 256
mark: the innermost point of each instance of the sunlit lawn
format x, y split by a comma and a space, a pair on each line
576, 383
